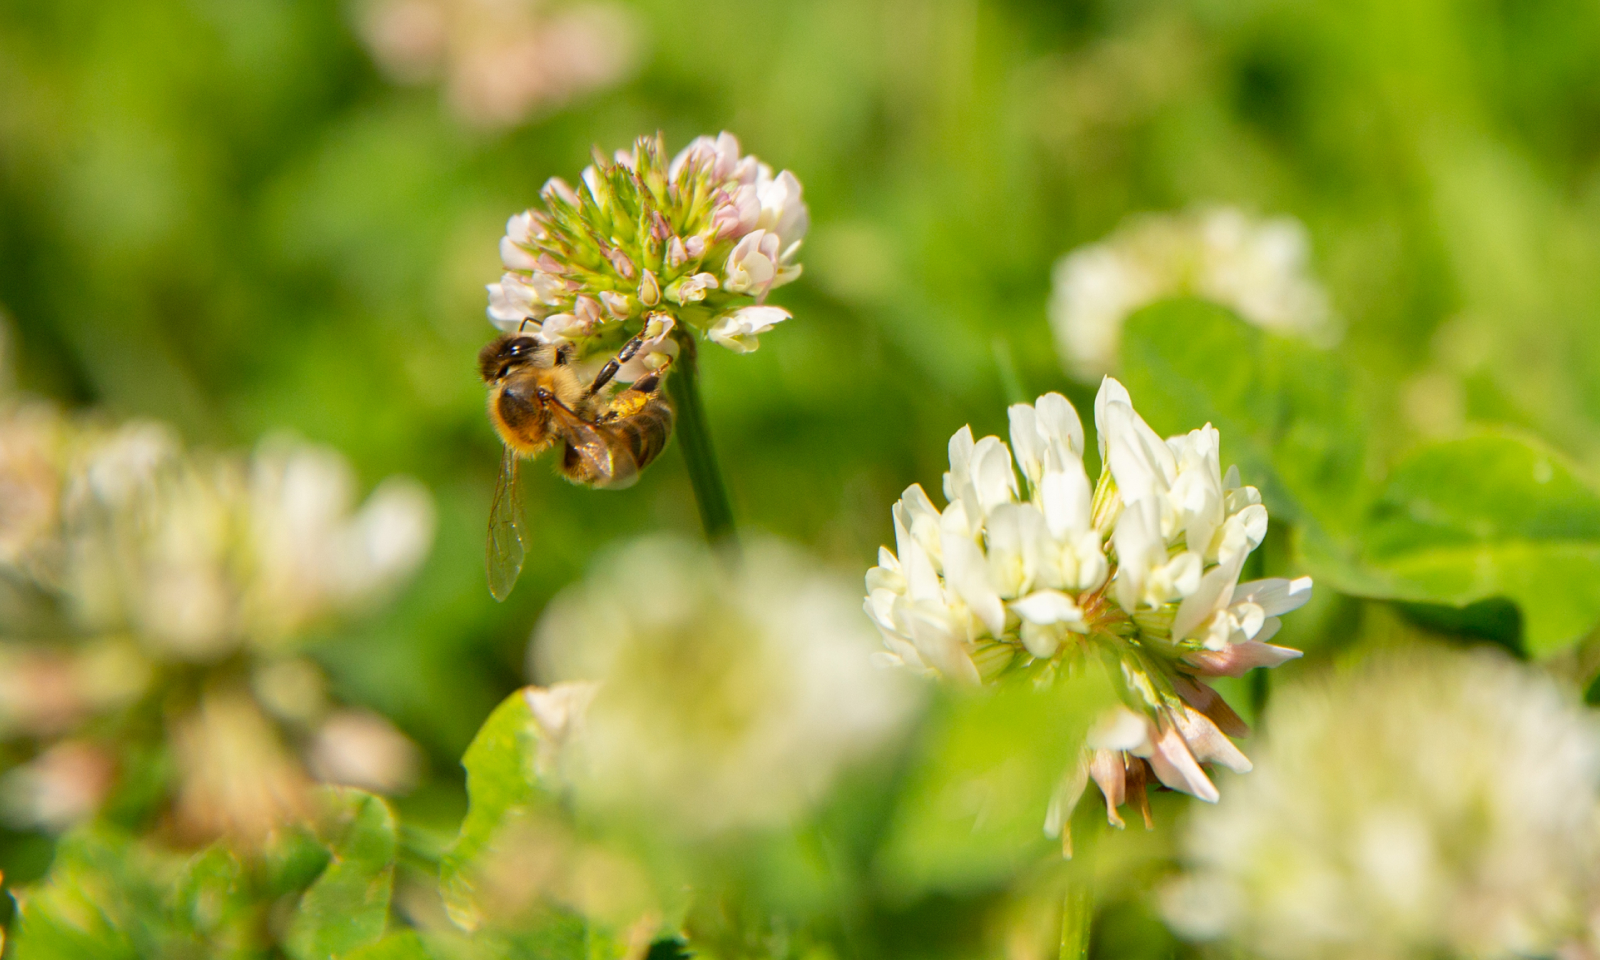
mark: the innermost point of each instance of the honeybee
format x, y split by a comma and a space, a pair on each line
537, 402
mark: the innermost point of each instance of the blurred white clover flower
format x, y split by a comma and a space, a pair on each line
1429, 803
359, 748
198, 555
700, 239
61, 787
129, 558
725, 700
1256, 267
314, 550
1043, 575
502, 61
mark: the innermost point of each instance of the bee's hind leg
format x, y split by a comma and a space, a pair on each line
651, 382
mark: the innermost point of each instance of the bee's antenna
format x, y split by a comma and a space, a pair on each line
524, 324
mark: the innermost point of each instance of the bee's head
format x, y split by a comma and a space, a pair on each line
512, 350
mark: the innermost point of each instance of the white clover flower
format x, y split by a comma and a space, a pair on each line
197, 555
739, 330
1256, 267
143, 560
702, 238
726, 700
313, 551
1429, 803
1039, 575
502, 61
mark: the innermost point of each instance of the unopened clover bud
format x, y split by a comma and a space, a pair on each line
677, 254
598, 188
649, 290
558, 189
715, 158
660, 229
620, 261
617, 304
695, 246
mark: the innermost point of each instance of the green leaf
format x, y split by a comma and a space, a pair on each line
1288, 414
401, 945
973, 809
79, 908
212, 896
1493, 516
348, 905
1455, 523
501, 780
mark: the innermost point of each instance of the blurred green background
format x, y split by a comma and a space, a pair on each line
223, 214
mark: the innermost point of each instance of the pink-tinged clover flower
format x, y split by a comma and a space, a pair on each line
703, 237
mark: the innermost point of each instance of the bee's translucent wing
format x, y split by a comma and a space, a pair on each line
507, 546
609, 463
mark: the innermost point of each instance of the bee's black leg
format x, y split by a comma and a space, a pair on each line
603, 377
650, 382
614, 364
630, 348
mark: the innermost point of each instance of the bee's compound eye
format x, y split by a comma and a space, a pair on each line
519, 348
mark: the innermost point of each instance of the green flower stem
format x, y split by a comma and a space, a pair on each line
694, 439
1077, 915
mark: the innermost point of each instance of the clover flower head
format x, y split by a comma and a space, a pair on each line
1256, 267
196, 555
1427, 803
142, 559
707, 699
1028, 570
502, 61
701, 238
